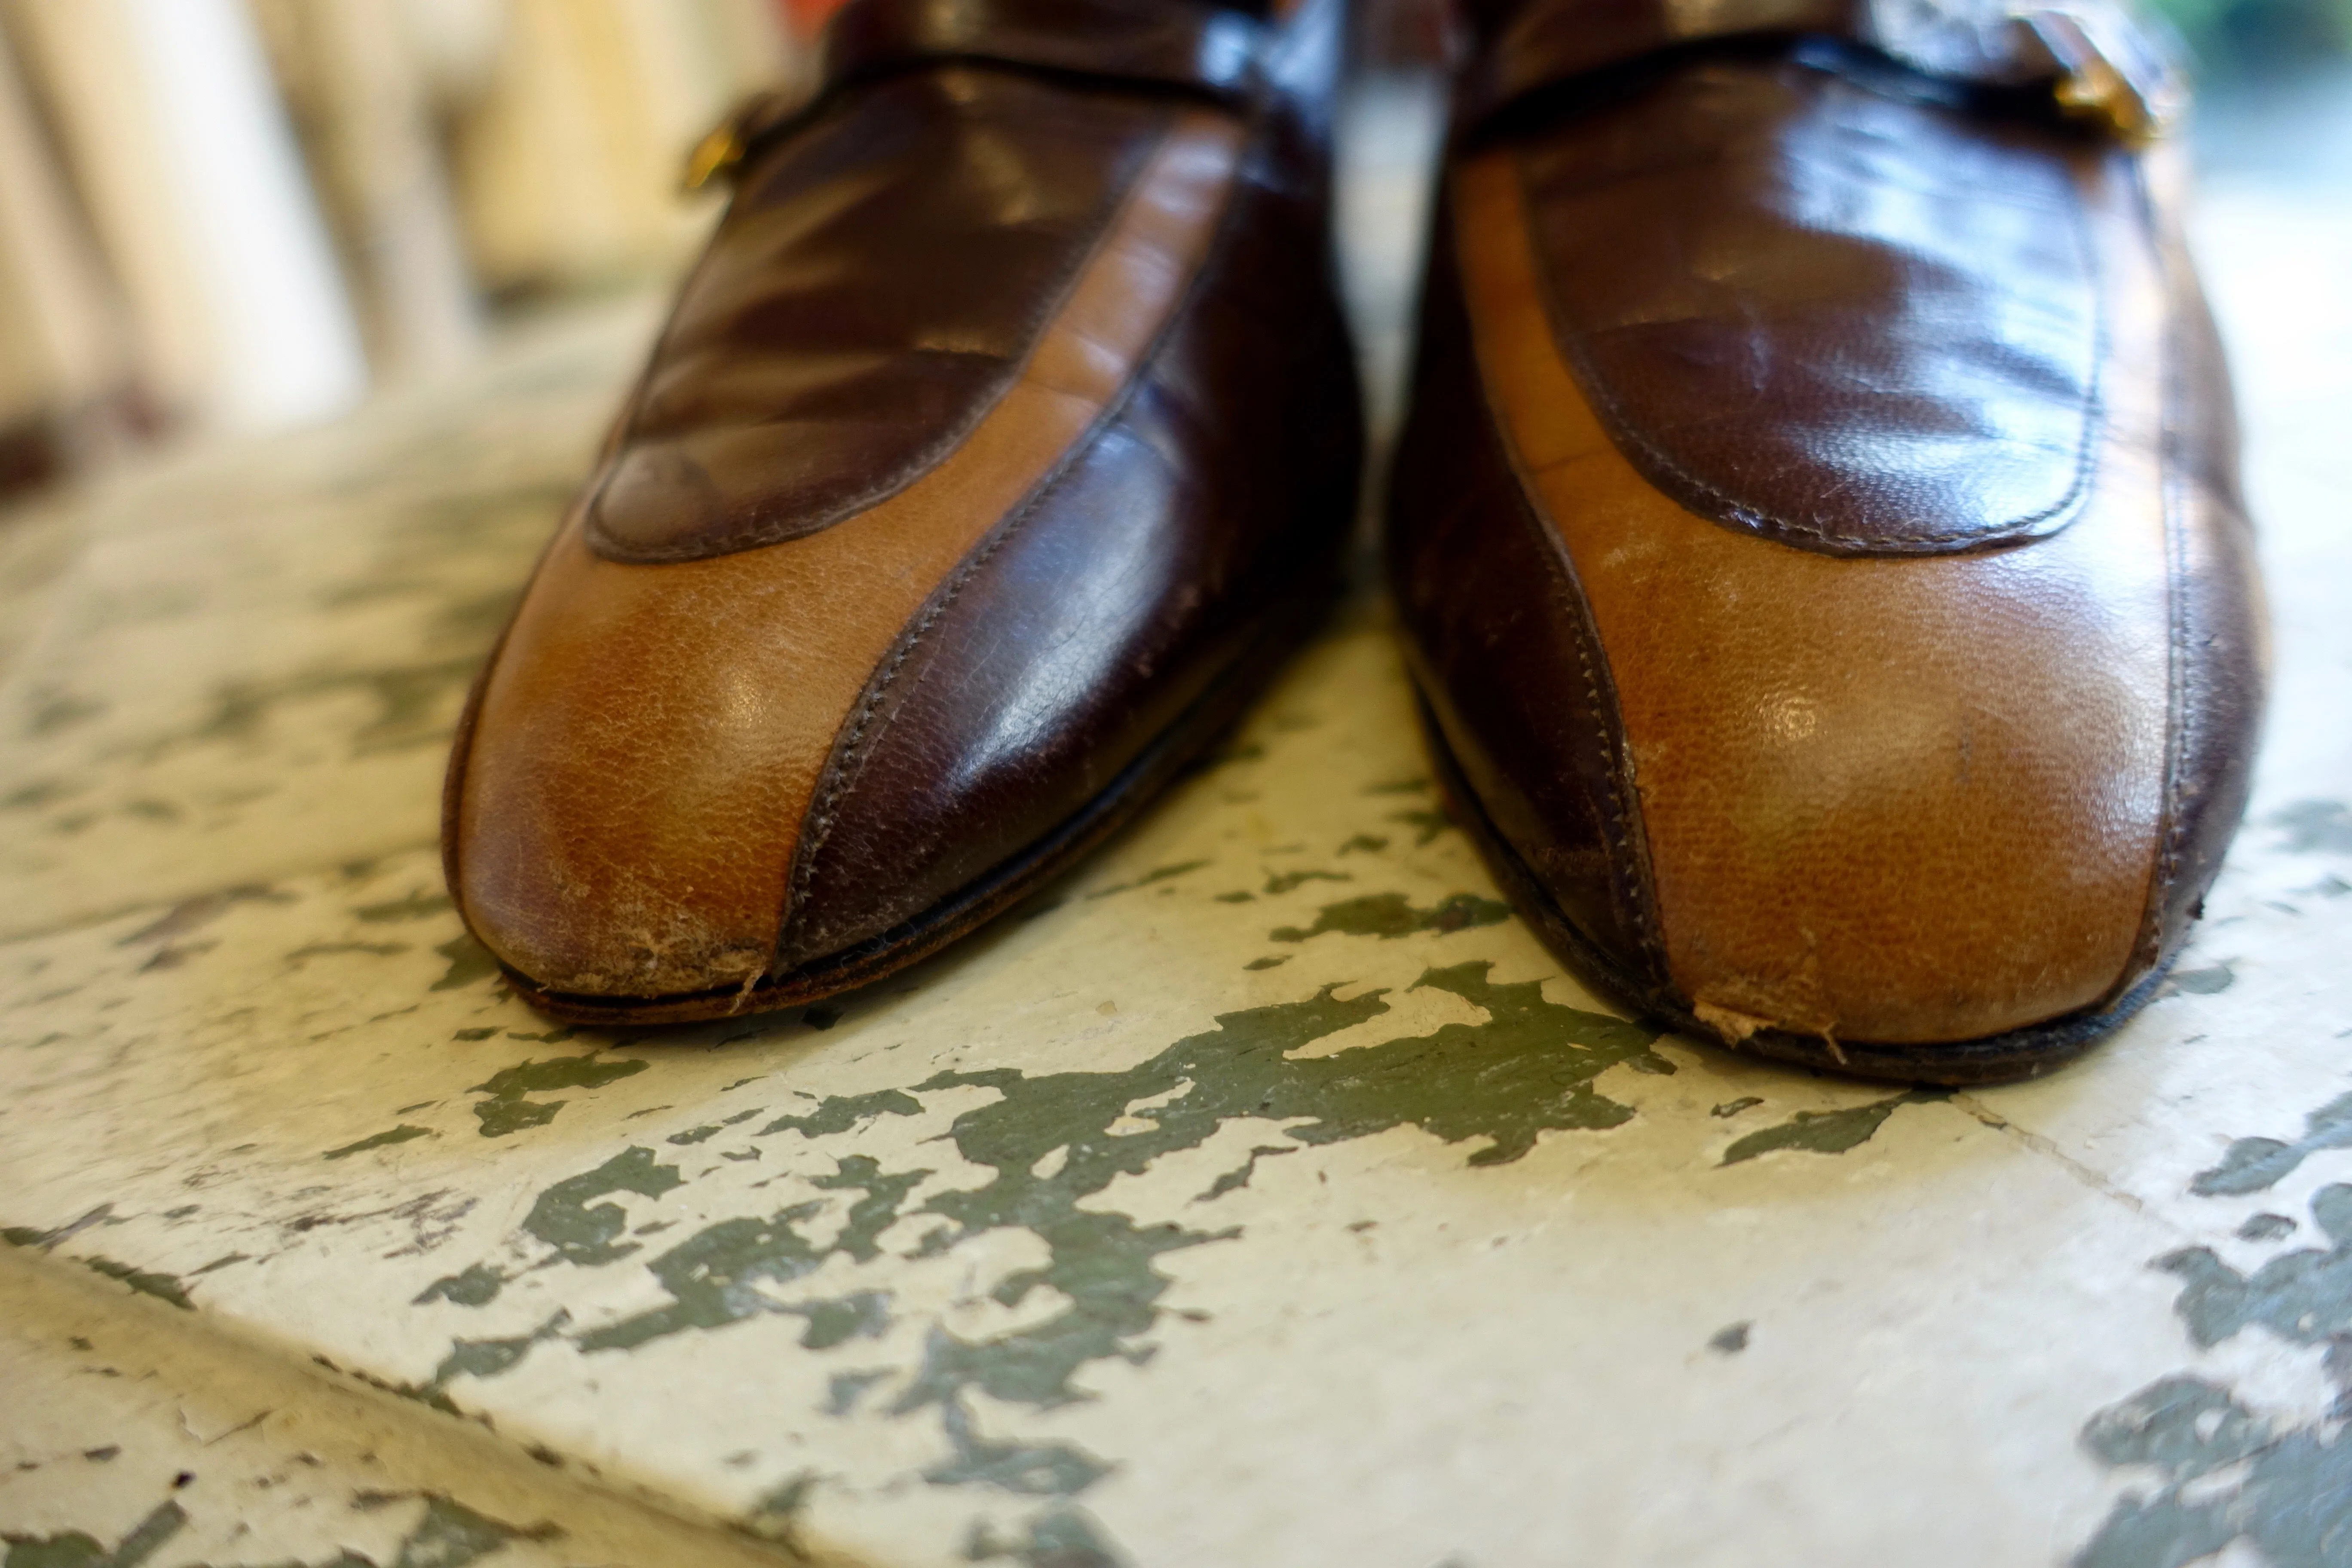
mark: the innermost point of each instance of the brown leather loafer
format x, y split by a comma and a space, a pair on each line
1818, 535
1000, 442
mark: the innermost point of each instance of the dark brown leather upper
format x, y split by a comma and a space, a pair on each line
1211, 49
1530, 48
826, 349
1502, 641
1109, 604
1846, 613
1824, 315
968, 461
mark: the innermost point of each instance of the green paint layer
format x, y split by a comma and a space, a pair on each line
487, 1358
839, 1113
163, 1287
2316, 828
400, 1135
476, 1287
2303, 1297
1060, 1538
75, 1550
2224, 1473
506, 1110
1157, 874
1392, 915
1052, 1143
2255, 1164
586, 1232
468, 961
1825, 1132
415, 907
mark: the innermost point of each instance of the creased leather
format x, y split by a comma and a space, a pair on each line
1889, 799
1841, 320
651, 736
1895, 788
1223, 486
1530, 45
1177, 45
825, 352
1502, 646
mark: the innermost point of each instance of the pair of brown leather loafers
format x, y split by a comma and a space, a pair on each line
1817, 534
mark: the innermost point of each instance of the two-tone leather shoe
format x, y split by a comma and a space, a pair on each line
1818, 534
1003, 440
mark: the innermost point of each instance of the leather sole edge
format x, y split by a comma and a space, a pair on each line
2015, 1054
1288, 626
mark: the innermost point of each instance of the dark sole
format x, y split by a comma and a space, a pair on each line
977, 902
1991, 1059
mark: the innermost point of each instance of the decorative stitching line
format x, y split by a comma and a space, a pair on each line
849, 763
1634, 910
2168, 856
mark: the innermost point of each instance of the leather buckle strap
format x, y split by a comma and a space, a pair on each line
1165, 44
2094, 60
2110, 73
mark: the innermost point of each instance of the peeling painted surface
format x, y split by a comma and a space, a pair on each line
506, 1110
2221, 1471
1392, 915
130, 1441
1265, 1161
2255, 1164
1824, 1132
1052, 1143
449, 1535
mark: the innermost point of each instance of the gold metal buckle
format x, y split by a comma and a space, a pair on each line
2108, 74
715, 157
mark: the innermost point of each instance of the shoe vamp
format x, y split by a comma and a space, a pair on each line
871, 294
1849, 322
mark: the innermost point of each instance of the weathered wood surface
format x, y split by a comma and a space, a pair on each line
1261, 1195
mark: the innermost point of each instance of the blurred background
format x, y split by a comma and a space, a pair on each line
225, 217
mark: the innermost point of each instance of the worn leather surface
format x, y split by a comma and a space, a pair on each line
1503, 644
1886, 793
1842, 320
1527, 47
876, 682
1108, 604
826, 349
2220, 642
1210, 48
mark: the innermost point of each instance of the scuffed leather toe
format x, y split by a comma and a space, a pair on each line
896, 586
1846, 630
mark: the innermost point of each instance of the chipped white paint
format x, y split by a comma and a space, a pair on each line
1381, 1313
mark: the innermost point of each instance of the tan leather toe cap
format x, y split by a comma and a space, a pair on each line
1893, 798
623, 815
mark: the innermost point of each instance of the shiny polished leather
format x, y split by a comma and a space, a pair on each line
1911, 295
1533, 46
823, 353
965, 490
1179, 45
1818, 544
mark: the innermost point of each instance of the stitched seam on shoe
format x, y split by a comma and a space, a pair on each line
1736, 512
853, 757
850, 762
1048, 306
2150, 945
1617, 777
